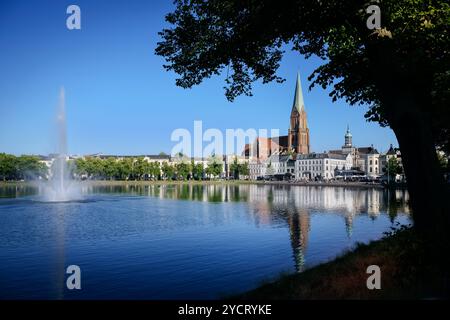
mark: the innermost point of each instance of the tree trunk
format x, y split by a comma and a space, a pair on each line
429, 196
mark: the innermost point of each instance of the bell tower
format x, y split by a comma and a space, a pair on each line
298, 136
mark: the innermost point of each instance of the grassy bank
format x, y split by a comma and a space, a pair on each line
406, 273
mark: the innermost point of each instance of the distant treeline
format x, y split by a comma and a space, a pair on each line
21, 168
140, 169
94, 168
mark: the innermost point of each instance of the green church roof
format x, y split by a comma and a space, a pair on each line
298, 98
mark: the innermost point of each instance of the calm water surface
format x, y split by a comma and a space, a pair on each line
181, 242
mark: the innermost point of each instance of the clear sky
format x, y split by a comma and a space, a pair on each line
120, 100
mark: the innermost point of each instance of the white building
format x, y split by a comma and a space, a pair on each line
257, 169
372, 163
157, 158
280, 164
321, 165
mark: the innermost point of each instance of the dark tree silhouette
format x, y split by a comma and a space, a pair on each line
401, 71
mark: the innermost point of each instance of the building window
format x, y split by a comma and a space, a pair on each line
370, 169
370, 162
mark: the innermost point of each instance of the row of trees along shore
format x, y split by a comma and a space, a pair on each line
140, 169
14, 168
24, 167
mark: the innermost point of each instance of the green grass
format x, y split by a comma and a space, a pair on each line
406, 273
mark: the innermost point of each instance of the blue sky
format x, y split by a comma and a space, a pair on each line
120, 100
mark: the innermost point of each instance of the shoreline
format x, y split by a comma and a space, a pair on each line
405, 276
358, 185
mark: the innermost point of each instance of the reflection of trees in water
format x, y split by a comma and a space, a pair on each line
396, 202
15, 191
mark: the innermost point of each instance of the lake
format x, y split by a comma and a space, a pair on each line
181, 241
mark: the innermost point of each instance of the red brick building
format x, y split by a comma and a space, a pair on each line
297, 140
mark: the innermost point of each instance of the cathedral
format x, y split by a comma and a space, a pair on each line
297, 140
298, 137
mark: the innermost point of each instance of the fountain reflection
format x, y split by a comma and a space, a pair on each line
60, 254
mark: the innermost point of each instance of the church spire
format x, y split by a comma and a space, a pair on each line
298, 98
298, 135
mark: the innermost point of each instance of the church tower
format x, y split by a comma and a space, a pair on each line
298, 137
348, 138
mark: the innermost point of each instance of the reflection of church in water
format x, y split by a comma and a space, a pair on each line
291, 205
299, 226
298, 202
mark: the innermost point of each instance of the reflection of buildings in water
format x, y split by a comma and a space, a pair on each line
349, 224
260, 199
345, 200
264, 200
269, 202
330, 198
312, 197
299, 226
374, 200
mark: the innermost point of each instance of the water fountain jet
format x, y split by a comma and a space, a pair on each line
61, 187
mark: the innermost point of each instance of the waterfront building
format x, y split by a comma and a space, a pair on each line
321, 166
280, 166
373, 163
257, 169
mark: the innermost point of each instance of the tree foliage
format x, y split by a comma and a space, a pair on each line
198, 171
168, 171
248, 38
238, 169
24, 167
215, 167
183, 170
394, 167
